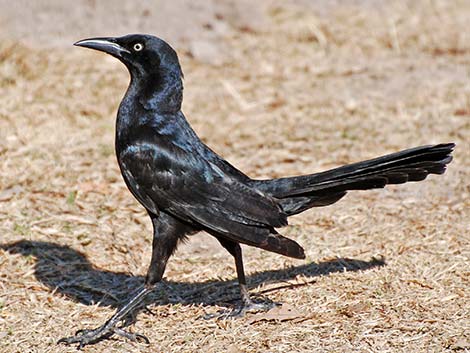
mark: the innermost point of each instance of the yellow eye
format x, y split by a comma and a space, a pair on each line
138, 46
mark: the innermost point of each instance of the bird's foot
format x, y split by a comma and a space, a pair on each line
85, 337
246, 308
134, 337
90, 336
251, 307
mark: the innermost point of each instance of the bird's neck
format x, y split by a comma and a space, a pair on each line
149, 99
161, 92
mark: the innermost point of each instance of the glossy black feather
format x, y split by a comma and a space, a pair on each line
186, 187
169, 169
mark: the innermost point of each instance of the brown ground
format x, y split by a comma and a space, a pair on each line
306, 88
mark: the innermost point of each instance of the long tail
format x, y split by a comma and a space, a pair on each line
299, 193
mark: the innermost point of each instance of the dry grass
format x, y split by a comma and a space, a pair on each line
316, 91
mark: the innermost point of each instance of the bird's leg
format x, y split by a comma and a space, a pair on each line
89, 336
166, 232
247, 303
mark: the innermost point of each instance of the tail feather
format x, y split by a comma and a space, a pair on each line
280, 244
299, 193
298, 204
407, 158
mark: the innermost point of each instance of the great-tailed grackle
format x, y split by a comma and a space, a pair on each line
186, 187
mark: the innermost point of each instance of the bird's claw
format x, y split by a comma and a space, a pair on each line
253, 307
88, 336
250, 307
134, 337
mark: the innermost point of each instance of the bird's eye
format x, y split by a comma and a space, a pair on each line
138, 46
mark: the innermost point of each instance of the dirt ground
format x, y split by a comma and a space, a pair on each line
278, 89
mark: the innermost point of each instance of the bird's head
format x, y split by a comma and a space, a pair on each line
142, 54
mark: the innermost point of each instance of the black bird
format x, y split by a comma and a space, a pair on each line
186, 187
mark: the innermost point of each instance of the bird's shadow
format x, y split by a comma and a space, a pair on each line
69, 272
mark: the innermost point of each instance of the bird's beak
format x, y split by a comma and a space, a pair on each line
107, 45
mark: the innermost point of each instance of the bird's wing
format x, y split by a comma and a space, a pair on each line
197, 191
